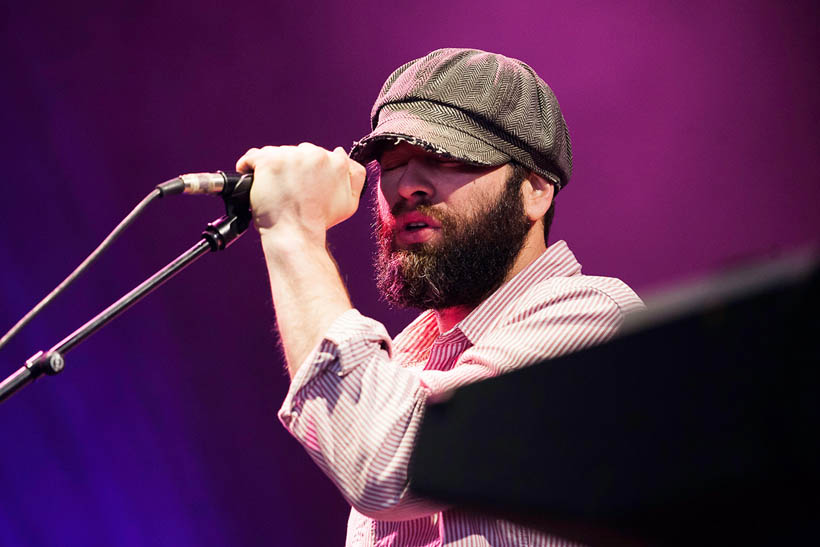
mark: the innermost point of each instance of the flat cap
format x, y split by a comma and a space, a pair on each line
478, 107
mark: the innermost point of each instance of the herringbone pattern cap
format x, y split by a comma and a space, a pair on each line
474, 106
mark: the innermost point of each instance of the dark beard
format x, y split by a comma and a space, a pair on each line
466, 266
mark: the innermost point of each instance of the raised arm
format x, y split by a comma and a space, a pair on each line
298, 193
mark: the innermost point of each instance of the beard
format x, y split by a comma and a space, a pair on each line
469, 262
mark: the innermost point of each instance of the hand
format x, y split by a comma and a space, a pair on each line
302, 187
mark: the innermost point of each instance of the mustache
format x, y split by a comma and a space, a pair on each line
385, 229
423, 207
383, 225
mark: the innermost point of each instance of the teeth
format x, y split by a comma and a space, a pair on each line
415, 225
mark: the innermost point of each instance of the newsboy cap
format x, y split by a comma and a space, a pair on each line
477, 107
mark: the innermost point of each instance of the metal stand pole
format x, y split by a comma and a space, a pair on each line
217, 236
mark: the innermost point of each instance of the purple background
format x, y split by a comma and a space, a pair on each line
695, 130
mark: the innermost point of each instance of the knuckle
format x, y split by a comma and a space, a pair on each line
271, 160
316, 155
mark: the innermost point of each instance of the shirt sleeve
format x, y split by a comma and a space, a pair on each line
357, 412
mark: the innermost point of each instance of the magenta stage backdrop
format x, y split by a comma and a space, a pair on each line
695, 131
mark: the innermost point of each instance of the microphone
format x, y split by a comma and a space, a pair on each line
222, 183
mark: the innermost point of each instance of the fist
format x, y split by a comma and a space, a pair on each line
304, 187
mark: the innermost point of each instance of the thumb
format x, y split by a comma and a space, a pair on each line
358, 174
356, 171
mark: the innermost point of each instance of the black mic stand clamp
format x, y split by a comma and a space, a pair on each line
217, 236
223, 231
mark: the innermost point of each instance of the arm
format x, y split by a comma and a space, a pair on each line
355, 417
356, 412
307, 291
297, 194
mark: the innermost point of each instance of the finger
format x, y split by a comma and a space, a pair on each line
358, 174
339, 156
356, 171
338, 160
247, 162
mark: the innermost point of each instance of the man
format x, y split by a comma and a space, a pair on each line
469, 150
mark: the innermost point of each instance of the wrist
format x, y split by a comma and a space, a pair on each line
292, 245
291, 235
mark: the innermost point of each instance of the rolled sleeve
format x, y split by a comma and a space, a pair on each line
347, 342
356, 412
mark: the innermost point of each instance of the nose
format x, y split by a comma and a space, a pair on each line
411, 182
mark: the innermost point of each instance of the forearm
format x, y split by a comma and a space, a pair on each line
308, 293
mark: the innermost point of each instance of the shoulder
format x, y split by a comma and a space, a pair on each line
613, 289
575, 295
552, 317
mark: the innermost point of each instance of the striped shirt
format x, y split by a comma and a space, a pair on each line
357, 401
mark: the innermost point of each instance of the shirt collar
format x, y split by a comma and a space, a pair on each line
556, 261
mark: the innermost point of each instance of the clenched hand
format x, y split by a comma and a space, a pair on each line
303, 187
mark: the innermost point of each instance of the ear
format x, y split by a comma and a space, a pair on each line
537, 193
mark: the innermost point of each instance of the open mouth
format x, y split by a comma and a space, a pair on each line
414, 226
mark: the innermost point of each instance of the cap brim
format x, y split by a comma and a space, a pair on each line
400, 125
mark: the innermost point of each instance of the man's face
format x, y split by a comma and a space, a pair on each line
448, 232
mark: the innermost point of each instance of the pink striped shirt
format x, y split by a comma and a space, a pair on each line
357, 401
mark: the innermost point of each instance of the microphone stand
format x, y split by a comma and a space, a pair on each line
217, 236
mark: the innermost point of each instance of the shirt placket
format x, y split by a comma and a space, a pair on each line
445, 351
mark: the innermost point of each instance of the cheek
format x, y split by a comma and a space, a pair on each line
468, 199
386, 187
382, 206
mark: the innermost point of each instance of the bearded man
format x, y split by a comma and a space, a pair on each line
468, 149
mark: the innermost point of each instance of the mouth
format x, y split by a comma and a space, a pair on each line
415, 220
415, 228
415, 234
